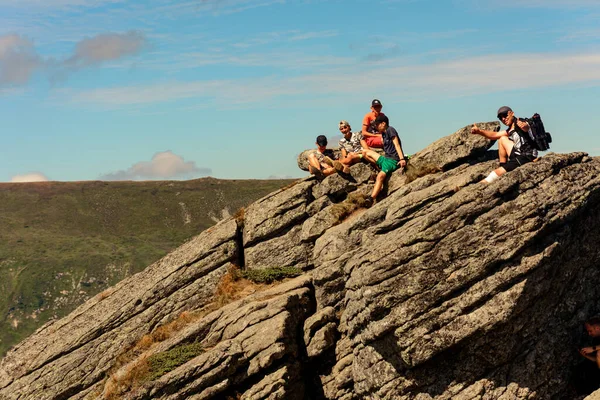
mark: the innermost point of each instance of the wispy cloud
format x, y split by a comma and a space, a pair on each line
268, 38
581, 35
31, 177
163, 165
546, 3
55, 3
452, 78
106, 47
19, 58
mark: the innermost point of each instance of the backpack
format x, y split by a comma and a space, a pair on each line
539, 138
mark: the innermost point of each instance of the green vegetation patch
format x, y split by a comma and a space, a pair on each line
61, 243
162, 363
269, 275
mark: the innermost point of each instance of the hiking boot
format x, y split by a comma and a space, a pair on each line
369, 202
316, 172
339, 167
328, 161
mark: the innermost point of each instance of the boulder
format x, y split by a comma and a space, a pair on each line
334, 185
242, 340
269, 216
302, 158
287, 250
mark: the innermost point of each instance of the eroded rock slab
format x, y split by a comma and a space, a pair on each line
75, 352
267, 217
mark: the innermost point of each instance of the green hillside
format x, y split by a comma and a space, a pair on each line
63, 242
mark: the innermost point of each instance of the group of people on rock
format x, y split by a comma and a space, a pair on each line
513, 149
355, 146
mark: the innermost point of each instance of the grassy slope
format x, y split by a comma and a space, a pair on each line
63, 242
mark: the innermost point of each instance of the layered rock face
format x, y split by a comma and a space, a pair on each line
445, 289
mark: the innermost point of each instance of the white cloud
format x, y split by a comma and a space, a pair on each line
451, 78
164, 165
31, 177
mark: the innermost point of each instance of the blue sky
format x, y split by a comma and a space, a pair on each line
157, 89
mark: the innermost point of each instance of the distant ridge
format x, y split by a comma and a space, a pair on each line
63, 242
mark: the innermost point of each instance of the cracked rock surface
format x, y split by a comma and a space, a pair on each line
445, 289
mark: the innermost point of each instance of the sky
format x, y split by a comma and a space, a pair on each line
236, 89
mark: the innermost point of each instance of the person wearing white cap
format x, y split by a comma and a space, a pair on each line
514, 149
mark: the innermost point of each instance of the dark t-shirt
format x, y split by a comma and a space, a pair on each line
388, 145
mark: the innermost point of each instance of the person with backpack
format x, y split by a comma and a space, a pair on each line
516, 144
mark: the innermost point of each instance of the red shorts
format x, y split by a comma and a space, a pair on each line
374, 141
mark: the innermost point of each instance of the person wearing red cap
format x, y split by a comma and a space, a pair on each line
372, 138
514, 149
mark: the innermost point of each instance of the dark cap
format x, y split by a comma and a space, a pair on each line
376, 103
381, 118
503, 110
322, 140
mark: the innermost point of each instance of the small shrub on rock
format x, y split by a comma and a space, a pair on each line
415, 171
162, 363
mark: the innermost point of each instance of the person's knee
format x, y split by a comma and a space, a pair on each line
500, 171
381, 176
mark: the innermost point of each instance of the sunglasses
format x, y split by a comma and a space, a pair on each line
502, 116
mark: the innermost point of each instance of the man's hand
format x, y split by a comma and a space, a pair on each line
523, 125
402, 163
587, 350
475, 130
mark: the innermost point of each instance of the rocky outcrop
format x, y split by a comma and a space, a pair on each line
252, 348
77, 351
445, 289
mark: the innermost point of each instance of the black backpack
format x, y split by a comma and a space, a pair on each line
539, 138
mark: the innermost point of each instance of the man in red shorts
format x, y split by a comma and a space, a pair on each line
372, 138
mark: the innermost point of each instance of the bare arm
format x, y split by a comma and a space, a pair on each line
588, 352
365, 133
364, 144
343, 152
365, 126
399, 150
492, 135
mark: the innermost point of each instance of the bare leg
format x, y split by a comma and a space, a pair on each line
350, 159
312, 160
378, 184
499, 172
329, 171
505, 146
371, 156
